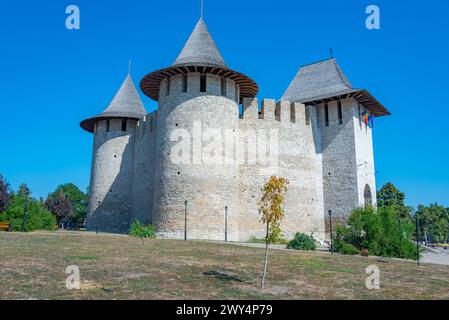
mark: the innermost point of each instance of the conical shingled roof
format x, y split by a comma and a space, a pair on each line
200, 49
125, 104
199, 54
324, 80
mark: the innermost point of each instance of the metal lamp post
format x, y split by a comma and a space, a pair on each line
330, 229
96, 224
96, 220
417, 240
185, 220
226, 224
68, 222
24, 210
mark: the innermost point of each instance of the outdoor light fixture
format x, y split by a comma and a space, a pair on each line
226, 224
185, 220
330, 229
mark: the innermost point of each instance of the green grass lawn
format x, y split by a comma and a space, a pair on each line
32, 266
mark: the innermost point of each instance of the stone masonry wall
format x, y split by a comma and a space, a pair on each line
111, 177
134, 176
364, 156
144, 157
340, 177
208, 188
298, 161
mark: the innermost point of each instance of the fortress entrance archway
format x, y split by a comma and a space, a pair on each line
368, 196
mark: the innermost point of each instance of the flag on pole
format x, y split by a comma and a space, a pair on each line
365, 117
371, 121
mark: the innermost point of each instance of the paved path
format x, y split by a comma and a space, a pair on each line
442, 257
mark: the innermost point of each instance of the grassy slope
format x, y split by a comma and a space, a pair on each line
117, 267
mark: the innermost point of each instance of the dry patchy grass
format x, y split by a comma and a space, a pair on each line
32, 266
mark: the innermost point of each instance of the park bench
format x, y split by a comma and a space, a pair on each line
4, 226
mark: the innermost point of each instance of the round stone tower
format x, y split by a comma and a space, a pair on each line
112, 160
195, 173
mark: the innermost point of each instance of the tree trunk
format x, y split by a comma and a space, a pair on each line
266, 261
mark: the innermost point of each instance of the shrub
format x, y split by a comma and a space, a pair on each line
139, 230
376, 232
348, 249
302, 241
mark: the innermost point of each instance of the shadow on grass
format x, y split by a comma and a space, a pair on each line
81, 258
222, 276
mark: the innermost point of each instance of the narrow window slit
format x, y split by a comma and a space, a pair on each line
307, 116
203, 83
184, 83
223, 87
340, 113
168, 87
326, 114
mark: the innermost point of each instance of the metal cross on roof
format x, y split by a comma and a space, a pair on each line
202, 8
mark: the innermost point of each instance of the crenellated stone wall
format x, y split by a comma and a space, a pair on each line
329, 165
298, 161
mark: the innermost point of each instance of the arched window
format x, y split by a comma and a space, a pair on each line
368, 196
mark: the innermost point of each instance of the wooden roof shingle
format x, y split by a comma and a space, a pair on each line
125, 104
324, 81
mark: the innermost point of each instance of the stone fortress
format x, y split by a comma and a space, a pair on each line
322, 145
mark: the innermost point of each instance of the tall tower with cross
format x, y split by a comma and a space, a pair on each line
198, 92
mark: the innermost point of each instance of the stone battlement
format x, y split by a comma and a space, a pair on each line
281, 111
146, 125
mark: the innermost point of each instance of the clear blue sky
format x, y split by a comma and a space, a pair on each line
51, 78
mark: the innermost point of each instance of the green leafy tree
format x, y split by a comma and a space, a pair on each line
378, 232
60, 206
37, 216
390, 196
5, 195
271, 208
434, 221
78, 200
